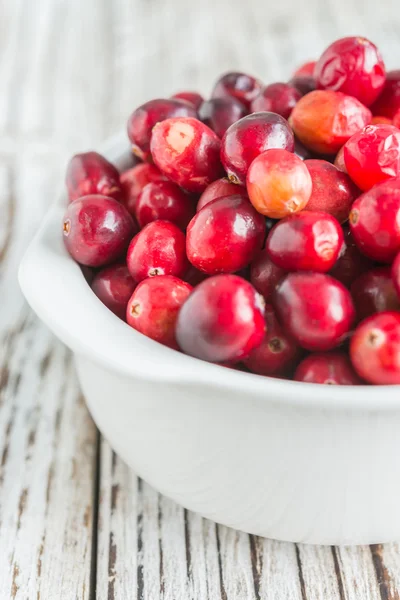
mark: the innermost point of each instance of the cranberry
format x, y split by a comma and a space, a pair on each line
187, 151
378, 120
324, 120
222, 320
265, 275
237, 85
388, 102
249, 137
315, 309
396, 119
301, 151
221, 113
373, 155
306, 69
354, 66
375, 349
307, 241
339, 160
278, 98
351, 263
134, 180
90, 173
219, 189
304, 83
159, 249
396, 273
194, 98
114, 286
331, 368
97, 230
276, 352
374, 292
143, 119
333, 191
375, 221
278, 183
166, 201
225, 235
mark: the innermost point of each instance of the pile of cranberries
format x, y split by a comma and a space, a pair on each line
259, 229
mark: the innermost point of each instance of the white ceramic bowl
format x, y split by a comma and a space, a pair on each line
291, 461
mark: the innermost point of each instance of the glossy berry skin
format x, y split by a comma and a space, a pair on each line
240, 86
375, 221
114, 286
225, 235
306, 241
222, 320
396, 274
315, 309
351, 263
280, 98
194, 98
97, 230
339, 161
373, 155
90, 173
218, 189
220, 113
306, 69
187, 151
354, 66
374, 292
154, 306
145, 117
333, 191
375, 349
135, 179
265, 275
251, 136
304, 83
396, 119
324, 120
388, 102
159, 249
329, 368
276, 353
378, 120
278, 184
166, 201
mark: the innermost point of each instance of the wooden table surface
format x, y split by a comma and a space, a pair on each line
75, 522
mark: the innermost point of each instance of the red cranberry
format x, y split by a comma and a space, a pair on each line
221, 113
339, 160
324, 120
187, 151
354, 66
351, 263
315, 309
114, 286
97, 230
375, 221
134, 180
396, 273
307, 241
237, 85
331, 368
304, 83
276, 352
159, 249
373, 155
278, 98
219, 189
374, 292
378, 120
306, 69
166, 201
144, 118
225, 235
278, 183
222, 320
333, 191
193, 98
251, 136
375, 349
388, 102
91, 173
396, 119
265, 275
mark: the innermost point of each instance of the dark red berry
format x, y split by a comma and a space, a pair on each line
329, 368
396, 119
265, 275
351, 263
315, 309
396, 274
249, 137
114, 286
91, 173
237, 85
374, 292
222, 320
219, 189
166, 201
134, 180
304, 83
193, 98
221, 113
375, 349
225, 235
278, 98
97, 230
187, 151
378, 120
388, 102
159, 249
306, 69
